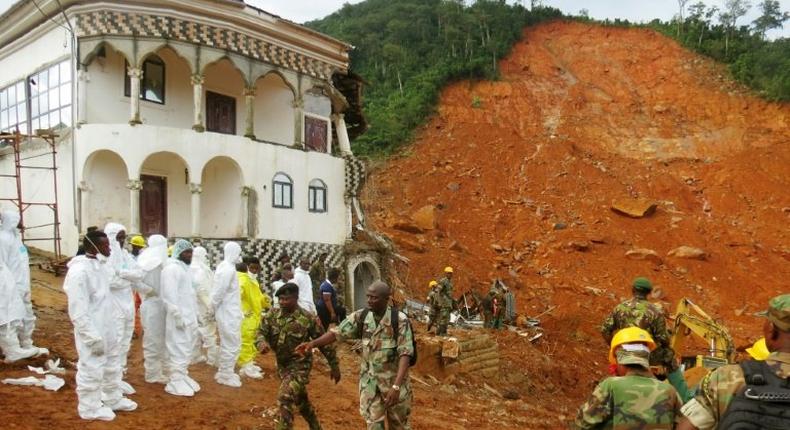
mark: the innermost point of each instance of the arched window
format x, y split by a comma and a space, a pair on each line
316, 196
282, 191
152, 84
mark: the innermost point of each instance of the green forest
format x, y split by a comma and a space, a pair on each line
408, 50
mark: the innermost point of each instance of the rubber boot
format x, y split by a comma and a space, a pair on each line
679, 382
9, 343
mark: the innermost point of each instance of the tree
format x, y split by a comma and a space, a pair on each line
682, 8
772, 17
733, 10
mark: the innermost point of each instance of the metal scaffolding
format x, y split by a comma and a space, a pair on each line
15, 141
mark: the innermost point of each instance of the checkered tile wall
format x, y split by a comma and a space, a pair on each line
102, 23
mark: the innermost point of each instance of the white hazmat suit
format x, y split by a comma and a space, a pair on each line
125, 276
18, 262
152, 310
180, 300
226, 304
203, 279
95, 319
12, 311
302, 279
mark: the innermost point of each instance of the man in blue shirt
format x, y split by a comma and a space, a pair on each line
328, 310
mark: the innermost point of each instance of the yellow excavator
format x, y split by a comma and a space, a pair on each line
690, 320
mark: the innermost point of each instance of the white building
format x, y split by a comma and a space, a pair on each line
207, 119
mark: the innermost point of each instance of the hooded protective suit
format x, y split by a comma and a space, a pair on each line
180, 300
203, 280
152, 311
251, 308
95, 319
226, 303
12, 311
18, 262
124, 276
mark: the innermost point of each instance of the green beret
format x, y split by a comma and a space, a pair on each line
642, 284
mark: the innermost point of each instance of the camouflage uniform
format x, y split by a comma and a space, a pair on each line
496, 297
634, 401
283, 332
433, 303
638, 312
719, 387
444, 305
379, 367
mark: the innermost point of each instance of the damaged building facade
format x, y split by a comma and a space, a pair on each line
210, 120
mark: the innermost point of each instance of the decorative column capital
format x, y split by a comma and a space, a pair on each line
195, 188
135, 72
298, 103
249, 92
246, 191
338, 117
84, 186
134, 185
197, 79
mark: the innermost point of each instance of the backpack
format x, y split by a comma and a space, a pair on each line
394, 322
764, 403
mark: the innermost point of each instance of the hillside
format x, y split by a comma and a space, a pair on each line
522, 173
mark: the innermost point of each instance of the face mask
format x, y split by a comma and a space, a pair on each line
101, 258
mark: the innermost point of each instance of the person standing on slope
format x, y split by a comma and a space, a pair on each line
152, 311
203, 279
302, 279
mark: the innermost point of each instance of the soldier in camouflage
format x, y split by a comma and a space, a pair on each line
385, 395
496, 302
638, 312
282, 330
444, 302
433, 303
633, 400
718, 389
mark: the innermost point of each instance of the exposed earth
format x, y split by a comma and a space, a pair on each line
521, 175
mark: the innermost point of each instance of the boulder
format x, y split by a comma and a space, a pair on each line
644, 254
407, 226
688, 252
634, 208
425, 217
409, 244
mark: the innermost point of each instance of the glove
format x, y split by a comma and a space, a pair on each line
151, 293
97, 347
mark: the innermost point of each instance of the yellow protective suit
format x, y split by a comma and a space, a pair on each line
252, 304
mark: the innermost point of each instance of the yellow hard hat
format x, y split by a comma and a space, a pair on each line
448, 269
630, 335
137, 241
759, 351
170, 251
432, 283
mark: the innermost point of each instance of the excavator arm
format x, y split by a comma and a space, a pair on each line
690, 319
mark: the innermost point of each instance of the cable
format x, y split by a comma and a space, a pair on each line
51, 19
65, 18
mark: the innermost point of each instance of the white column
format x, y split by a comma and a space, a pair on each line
135, 75
245, 211
342, 134
249, 118
84, 193
134, 186
197, 97
195, 189
298, 106
82, 96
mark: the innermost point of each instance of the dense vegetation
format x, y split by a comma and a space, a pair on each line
408, 50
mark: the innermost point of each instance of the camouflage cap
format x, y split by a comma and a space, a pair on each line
639, 357
642, 284
778, 312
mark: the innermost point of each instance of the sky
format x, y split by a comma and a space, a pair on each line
633, 10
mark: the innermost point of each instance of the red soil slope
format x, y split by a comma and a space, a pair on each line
584, 115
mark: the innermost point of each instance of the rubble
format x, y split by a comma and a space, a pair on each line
634, 208
644, 254
688, 252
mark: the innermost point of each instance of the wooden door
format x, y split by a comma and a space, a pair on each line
153, 205
220, 113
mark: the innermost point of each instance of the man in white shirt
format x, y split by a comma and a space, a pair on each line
302, 279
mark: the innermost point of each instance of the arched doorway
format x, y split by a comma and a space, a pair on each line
105, 197
221, 205
165, 199
365, 273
